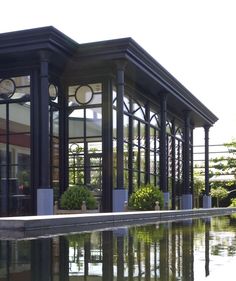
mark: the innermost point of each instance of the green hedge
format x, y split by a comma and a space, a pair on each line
73, 197
145, 198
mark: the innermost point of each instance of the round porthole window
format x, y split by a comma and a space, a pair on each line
84, 94
53, 91
7, 88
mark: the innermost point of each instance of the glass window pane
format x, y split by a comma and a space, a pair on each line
142, 134
135, 179
135, 158
126, 178
76, 123
93, 122
126, 104
114, 124
94, 147
135, 132
142, 178
126, 127
126, 155
97, 99
152, 163
142, 159
55, 120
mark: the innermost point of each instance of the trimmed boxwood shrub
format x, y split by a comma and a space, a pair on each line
73, 197
145, 198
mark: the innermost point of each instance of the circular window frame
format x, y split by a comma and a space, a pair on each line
76, 94
11, 92
56, 90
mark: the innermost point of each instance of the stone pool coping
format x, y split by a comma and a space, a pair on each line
37, 226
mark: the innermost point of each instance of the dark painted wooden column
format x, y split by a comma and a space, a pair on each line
192, 164
44, 192
107, 148
163, 150
147, 145
186, 153
120, 123
35, 131
186, 196
63, 144
44, 122
130, 163
120, 194
207, 186
173, 166
207, 198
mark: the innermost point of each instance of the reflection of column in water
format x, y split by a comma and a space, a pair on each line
63, 259
147, 262
130, 257
173, 237
139, 260
155, 261
5, 252
87, 250
187, 264
120, 258
121, 235
164, 251
207, 237
41, 259
107, 250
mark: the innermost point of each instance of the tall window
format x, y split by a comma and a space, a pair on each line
136, 148
85, 135
15, 124
154, 147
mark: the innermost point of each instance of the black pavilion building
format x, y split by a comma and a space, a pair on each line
103, 114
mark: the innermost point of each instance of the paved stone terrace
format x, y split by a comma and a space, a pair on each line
35, 226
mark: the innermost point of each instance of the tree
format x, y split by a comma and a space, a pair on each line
225, 165
223, 173
199, 187
219, 193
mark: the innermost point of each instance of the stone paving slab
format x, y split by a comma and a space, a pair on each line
34, 226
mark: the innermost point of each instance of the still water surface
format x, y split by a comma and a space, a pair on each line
189, 250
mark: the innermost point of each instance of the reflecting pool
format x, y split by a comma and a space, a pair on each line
200, 249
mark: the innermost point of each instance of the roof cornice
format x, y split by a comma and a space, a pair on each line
147, 63
127, 48
36, 39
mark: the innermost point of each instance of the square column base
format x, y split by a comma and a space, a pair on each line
187, 201
166, 200
120, 196
207, 201
44, 201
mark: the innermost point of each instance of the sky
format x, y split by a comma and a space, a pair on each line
193, 39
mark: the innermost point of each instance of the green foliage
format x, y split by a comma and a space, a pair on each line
73, 197
145, 198
219, 193
78, 240
225, 165
233, 202
199, 186
76, 176
148, 234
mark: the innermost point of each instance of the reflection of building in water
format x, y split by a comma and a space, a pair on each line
169, 251
103, 114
